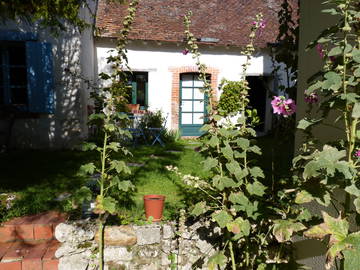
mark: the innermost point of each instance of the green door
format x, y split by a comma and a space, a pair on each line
192, 105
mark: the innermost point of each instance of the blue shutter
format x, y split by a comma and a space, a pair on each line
40, 77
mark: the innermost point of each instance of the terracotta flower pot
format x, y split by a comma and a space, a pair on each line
154, 205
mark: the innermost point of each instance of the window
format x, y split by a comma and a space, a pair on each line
139, 93
26, 77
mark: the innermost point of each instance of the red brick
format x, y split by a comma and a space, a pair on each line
17, 251
31, 264
15, 221
50, 252
10, 266
50, 265
4, 248
7, 233
43, 231
36, 250
25, 232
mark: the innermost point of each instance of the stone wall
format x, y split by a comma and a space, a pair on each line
131, 247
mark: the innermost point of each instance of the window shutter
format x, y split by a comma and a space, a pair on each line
40, 77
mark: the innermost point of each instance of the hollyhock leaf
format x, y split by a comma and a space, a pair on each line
222, 182
303, 197
210, 163
218, 259
125, 185
256, 188
284, 229
305, 123
357, 205
222, 218
214, 141
333, 81
243, 143
313, 87
257, 172
199, 209
109, 204
88, 168
228, 152
119, 166
255, 149
335, 51
356, 111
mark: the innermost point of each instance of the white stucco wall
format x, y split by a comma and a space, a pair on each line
67, 126
156, 59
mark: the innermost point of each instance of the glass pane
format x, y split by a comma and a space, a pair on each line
1, 76
187, 80
1, 95
18, 96
198, 94
198, 118
186, 118
198, 106
17, 55
186, 93
198, 83
140, 93
18, 76
186, 106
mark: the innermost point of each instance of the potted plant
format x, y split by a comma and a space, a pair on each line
154, 205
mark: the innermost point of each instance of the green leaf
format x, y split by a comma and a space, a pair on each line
119, 166
221, 182
357, 72
109, 204
303, 197
257, 172
333, 81
243, 143
115, 146
357, 205
256, 188
239, 226
222, 218
352, 255
110, 127
227, 152
88, 168
305, 123
125, 186
356, 111
83, 194
210, 163
89, 146
313, 87
238, 198
218, 259
214, 141
335, 51
255, 149
199, 209
353, 190
284, 229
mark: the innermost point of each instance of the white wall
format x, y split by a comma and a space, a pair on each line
158, 58
67, 126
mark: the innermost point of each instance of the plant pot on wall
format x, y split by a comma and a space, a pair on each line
133, 107
154, 205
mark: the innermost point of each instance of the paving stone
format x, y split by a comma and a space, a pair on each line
10, 266
118, 236
4, 248
147, 235
50, 265
42, 231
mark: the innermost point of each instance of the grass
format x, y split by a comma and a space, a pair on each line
37, 177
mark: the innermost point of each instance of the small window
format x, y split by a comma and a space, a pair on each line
13, 74
139, 93
26, 73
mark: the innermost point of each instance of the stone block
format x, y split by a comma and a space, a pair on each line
75, 233
118, 236
73, 262
168, 231
116, 254
147, 235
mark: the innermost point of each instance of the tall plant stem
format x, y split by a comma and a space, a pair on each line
101, 216
233, 263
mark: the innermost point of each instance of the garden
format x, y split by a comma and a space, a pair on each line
233, 200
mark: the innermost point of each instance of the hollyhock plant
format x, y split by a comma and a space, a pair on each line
311, 98
283, 106
357, 153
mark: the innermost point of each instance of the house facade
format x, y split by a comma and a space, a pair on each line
46, 78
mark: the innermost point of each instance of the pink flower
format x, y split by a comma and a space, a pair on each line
283, 106
357, 153
185, 52
312, 98
262, 24
320, 50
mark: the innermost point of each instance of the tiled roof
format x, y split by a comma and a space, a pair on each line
162, 20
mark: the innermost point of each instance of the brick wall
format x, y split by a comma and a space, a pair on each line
175, 90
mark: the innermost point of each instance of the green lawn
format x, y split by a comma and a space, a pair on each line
38, 177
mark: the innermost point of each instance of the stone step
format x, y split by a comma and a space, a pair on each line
29, 255
29, 228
